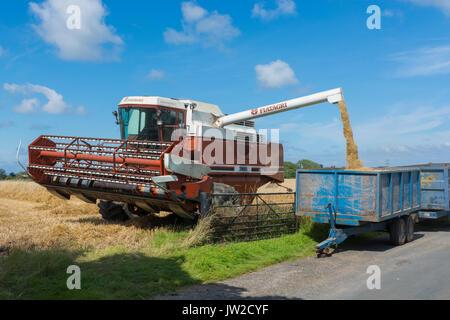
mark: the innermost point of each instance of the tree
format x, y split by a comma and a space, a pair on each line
2, 174
11, 176
309, 165
290, 168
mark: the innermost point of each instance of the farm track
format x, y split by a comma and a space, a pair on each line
416, 270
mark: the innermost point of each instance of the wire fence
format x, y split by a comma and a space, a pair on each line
251, 216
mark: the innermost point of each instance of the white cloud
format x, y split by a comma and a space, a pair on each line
424, 62
399, 126
275, 74
93, 41
390, 13
55, 102
443, 5
199, 25
404, 136
400, 155
81, 111
387, 13
156, 75
27, 106
6, 124
179, 37
13, 88
284, 8
192, 12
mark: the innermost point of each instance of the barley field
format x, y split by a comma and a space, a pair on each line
32, 218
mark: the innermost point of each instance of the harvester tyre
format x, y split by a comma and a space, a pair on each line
231, 197
112, 211
397, 232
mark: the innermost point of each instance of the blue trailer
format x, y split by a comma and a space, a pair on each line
434, 192
354, 202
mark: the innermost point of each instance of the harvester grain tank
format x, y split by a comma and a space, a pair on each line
160, 163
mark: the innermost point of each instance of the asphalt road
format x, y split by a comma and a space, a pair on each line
417, 270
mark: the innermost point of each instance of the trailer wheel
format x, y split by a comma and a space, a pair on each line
397, 231
112, 211
409, 227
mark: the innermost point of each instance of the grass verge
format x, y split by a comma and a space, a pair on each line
162, 266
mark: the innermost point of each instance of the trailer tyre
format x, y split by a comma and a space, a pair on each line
397, 231
409, 227
112, 211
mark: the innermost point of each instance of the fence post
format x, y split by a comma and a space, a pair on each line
205, 204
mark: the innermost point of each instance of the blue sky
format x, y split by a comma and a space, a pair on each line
237, 54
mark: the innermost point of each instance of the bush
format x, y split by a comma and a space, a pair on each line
290, 167
13, 176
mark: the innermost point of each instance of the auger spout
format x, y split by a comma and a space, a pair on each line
331, 96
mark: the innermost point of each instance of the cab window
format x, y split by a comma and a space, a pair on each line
169, 120
140, 124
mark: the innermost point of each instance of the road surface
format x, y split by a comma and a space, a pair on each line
417, 270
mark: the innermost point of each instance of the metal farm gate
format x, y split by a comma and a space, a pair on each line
250, 216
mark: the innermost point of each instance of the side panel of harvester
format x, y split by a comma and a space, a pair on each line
246, 166
357, 196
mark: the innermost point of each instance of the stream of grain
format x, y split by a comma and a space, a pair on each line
353, 161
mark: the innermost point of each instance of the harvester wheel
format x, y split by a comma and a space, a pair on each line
397, 232
224, 188
112, 211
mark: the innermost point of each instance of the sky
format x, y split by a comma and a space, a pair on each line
66, 64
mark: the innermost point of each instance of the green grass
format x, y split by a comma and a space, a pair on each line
162, 266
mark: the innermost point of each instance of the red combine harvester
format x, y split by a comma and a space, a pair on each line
170, 153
